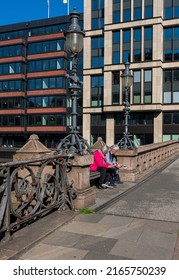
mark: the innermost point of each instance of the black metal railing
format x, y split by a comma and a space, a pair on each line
29, 189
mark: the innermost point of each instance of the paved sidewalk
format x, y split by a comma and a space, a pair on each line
70, 235
103, 237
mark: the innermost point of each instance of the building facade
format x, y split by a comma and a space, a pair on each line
33, 85
146, 34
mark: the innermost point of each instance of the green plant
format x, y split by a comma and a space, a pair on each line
86, 211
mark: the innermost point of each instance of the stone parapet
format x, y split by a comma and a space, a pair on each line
80, 176
142, 160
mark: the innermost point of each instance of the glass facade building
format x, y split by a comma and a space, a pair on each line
146, 34
33, 85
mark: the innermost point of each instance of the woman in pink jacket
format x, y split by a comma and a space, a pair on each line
101, 165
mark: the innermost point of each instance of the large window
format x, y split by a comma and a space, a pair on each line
148, 34
51, 101
12, 85
12, 103
171, 9
115, 87
116, 11
135, 119
98, 127
126, 45
11, 120
137, 9
171, 86
12, 68
137, 87
47, 64
147, 86
171, 118
97, 14
46, 46
126, 10
97, 85
97, 52
171, 44
148, 9
137, 45
16, 50
46, 120
46, 83
116, 47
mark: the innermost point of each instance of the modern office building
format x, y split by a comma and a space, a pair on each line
146, 34
33, 85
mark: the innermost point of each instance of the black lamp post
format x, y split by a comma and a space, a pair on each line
74, 143
127, 79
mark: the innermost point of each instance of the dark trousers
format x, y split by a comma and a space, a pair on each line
113, 175
104, 175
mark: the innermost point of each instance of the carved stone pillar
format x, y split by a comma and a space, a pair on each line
80, 176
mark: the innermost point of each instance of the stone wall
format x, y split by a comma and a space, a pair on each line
145, 159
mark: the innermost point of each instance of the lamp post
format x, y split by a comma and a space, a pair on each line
127, 79
74, 143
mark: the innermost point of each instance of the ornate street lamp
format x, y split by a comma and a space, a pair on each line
127, 79
74, 143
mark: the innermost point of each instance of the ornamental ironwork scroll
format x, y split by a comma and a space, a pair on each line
29, 189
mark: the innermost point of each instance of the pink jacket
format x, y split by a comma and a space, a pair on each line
99, 161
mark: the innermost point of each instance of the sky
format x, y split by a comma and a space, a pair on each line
15, 11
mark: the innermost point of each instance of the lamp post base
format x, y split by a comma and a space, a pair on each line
126, 143
75, 144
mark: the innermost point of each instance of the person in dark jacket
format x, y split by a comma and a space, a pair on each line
114, 178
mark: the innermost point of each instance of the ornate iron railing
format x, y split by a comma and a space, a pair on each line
29, 189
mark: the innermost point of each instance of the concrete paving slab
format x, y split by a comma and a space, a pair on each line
116, 221
85, 228
159, 239
50, 252
136, 251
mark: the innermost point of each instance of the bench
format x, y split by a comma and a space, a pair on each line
94, 176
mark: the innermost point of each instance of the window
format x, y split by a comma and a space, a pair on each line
127, 10
97, 85
148, 9
116, 47
171, 44
116, 11
97, 52
97, 14
46, 120
148, 43
137, 87
47, 64
137, 45
15, 50
47, 46
46, 83
115, 87
147, 86
171, 9
137, 10
171, 86
126, 45
12, 85
12, 68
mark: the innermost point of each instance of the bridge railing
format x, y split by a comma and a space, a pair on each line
31, 188
146, 158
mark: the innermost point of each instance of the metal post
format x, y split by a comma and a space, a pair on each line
74, 143
126, 143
